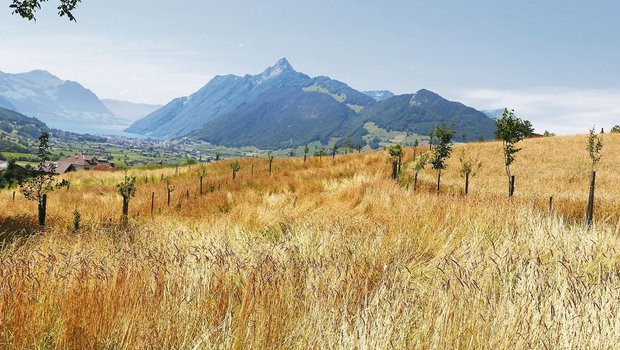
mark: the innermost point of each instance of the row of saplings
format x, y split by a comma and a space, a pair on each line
510, 130
43, 181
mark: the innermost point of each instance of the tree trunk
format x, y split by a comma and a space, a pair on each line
270, 162
438, 182
394, 170
125, 217
415, 149
511, 190
305, 156
590, 210
415, 182
201, 185
152, 203
466, 183
168, 197
234, 174
42, 211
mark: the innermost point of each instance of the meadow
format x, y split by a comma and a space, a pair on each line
328, 254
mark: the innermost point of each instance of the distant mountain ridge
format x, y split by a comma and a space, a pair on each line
130, 110
60, 103
281, 108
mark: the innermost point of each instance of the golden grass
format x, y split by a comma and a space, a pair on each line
328, 255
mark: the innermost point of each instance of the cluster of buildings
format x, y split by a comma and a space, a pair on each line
77, 163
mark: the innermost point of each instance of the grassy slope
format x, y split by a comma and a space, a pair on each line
323, 255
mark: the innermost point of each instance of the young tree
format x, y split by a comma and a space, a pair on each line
270, 157
511, 130
396, 153
469, 168
27, 8
615, 129
594, 147
127, 189
416, 143
420, 164
42, 182
306, 150
334, 151
442, 151
235, 167
348, 145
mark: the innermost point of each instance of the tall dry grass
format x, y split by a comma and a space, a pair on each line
326, 255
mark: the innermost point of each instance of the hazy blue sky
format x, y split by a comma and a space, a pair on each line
555, 62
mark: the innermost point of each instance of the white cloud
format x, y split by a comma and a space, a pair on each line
561, 110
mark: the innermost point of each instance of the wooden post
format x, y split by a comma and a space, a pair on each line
551, 205
201, 185
152, 203
466, 183
168, 197
590, 209
13, 196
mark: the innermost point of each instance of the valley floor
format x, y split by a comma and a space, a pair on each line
330, 254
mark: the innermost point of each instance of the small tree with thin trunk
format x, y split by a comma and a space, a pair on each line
594, 147
169, 188
334, 151
396, 154
469, 168
42, 182
511, 130
270, 157
420, 164
127, 189
306, 151
235, 167
416, 143
441, 153
202, 172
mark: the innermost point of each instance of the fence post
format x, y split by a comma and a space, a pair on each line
551, 205
590, 210
13, 196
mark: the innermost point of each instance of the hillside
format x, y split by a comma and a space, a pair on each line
420, 112
61, 104
282, 108
17, 132
345, 257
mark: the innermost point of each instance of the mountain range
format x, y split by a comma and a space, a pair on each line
65, 104
282, 108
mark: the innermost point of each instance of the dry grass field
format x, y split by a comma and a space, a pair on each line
331, 254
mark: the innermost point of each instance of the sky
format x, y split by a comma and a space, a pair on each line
556, 63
